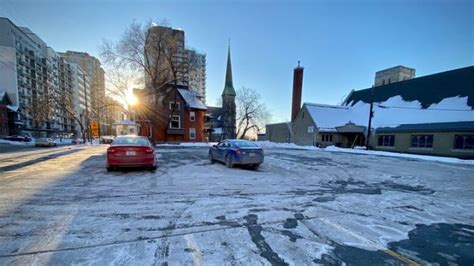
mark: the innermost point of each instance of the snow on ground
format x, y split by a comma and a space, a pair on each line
187, 144
361, 150
301, 207
18, 143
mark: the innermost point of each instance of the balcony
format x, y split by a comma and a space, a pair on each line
175, 131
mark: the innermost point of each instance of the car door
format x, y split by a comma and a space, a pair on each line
221, 149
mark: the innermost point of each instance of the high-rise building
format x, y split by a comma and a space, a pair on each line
34, 76
393, 74
39, 82
188, 65
197, 73
93, 69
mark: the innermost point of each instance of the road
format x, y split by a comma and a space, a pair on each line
60, 206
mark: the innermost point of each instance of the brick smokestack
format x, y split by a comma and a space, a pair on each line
297, 90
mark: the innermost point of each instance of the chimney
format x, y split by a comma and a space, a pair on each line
297, 90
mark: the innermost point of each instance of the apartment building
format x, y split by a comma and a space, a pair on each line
197, 73
38, 81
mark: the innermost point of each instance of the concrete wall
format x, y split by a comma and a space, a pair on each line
278, 132
300, 125
443, 144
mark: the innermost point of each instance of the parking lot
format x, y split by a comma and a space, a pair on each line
60, 206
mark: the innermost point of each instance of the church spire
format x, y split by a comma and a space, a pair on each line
229, 86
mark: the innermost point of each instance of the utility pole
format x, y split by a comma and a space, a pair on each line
371, 114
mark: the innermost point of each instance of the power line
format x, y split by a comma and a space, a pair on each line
423, 109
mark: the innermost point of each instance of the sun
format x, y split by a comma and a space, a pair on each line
132, 99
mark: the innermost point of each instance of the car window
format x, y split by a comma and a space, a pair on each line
131, 141
245, 144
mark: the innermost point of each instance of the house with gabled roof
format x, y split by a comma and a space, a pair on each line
431, 101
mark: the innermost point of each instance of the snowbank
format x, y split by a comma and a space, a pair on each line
186, 144
402, 155
17, 143
269, 144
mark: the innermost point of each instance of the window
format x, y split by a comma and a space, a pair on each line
464, 142
302, 114
174, 105
192, 133
389, 80
175, 122
386, 140
422, 141
192, 116
310, 129
326, 138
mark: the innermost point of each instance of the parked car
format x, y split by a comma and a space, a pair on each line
45, 142
237, 152
18, 138
77, 141
106, 139
131, 151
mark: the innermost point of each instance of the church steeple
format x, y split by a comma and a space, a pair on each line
229, 86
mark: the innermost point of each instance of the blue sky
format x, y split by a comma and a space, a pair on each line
341, 44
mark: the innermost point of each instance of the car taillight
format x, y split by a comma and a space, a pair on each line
111, 150
149, 150
237, 151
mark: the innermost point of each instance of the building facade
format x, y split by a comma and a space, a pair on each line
454, 139
197, 73
36, 80
92, 69
393, 74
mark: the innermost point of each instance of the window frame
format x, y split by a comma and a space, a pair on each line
422, 141
177, 104
463, 147
192, 133
173, 120
387, 140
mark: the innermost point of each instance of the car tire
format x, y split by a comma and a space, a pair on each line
153, 169
254, 166
211, 158
228, 161
36, 145
109, 169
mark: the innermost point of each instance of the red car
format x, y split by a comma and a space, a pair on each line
131, 151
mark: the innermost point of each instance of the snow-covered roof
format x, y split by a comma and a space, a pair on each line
217, 131
13, 108
327, 117
191, 99
126, 122
391, 113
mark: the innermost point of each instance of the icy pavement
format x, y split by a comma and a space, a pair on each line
300, 207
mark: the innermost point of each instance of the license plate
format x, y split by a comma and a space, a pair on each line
252, 154
130, 153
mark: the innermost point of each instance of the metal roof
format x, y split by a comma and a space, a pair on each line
430, 127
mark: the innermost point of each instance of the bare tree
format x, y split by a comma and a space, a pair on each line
252, 113
40, 111
156, 56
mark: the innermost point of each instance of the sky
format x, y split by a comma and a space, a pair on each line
341, 44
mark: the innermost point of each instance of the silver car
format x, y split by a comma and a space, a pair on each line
45, 142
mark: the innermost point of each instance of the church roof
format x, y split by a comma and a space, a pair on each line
428, 90
229, 86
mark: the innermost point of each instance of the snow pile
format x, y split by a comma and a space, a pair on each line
269, 144
186, 144
402, 155
17, 143
391, 113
